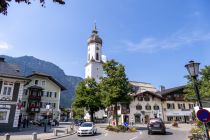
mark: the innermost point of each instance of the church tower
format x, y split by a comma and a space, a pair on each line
93, 68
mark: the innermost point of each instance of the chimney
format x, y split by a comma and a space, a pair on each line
2, 59
162, 88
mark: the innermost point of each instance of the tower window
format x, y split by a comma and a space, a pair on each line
97, 57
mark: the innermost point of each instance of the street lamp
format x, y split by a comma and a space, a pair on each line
46, 117
193, 70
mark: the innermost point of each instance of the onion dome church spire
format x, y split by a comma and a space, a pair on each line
94, 38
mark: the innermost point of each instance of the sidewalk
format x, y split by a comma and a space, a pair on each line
26, 133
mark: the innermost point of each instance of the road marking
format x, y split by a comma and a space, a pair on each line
106, 134
133, 138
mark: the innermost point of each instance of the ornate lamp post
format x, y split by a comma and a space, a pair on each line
193, 70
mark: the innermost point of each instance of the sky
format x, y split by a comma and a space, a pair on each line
153, 39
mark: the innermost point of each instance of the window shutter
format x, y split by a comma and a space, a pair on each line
15, 91
0, 86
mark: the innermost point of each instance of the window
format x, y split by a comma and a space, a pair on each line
181, 106
146, 98
148, 107
191, 106
7, 88
170, 119
54, 105
36, 82
155, 107
97, 57
3, 115
55, 95
170, 106
138, 107
118, 107
24, 104
25, 92
43, 83
47, 94
140, 98
50, 94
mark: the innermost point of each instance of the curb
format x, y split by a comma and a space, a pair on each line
61, 136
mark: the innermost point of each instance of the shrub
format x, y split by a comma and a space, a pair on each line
197, 130
121, 128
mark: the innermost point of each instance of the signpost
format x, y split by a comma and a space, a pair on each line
203, 115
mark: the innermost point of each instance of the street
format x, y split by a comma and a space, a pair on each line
102, 134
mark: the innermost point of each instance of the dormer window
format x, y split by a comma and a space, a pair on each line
36, 82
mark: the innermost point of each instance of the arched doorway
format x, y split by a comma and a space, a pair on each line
137, 118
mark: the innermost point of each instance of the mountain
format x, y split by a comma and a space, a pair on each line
28, 64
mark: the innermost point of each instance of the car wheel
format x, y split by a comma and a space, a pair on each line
149, 132
164, 132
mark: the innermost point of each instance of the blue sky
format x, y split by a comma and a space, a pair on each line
153, 39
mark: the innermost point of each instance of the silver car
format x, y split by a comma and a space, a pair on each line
87, 128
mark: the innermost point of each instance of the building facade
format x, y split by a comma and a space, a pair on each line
41, 97
145, 104
11, 93
174, 105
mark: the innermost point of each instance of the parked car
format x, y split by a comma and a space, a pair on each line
156, 125
78, 122
87, 128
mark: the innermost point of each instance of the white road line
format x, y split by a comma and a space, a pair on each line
106, 134
140, 132
133, 138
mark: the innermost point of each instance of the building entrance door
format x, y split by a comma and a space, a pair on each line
138, 118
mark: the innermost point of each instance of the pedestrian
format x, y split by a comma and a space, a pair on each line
24, 122
19, 121
27, 121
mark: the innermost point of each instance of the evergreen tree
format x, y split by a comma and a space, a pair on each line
114, 86
87, 96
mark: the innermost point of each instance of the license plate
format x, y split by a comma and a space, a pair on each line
156, 125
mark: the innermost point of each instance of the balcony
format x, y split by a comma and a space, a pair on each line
33, 110
32, 97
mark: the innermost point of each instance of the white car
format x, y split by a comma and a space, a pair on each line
87, 128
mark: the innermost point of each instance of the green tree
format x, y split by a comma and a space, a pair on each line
87, 96
5, 3
203, 85
78, 113
114, 86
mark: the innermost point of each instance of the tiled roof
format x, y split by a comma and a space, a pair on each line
171, 90
9, 69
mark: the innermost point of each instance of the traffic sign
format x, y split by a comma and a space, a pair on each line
203, 115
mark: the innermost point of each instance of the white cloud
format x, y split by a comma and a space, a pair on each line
176, 40
4, 46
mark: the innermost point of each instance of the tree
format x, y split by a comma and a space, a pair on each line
78, 113
87, 96
5, 3
203, 85
114, 86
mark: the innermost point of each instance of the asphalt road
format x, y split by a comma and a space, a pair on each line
102, 134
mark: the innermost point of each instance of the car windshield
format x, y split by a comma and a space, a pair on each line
87, 125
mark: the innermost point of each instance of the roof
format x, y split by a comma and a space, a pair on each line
10, 70
147, 92
171, 90
94, 38
49, 77
35, 87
